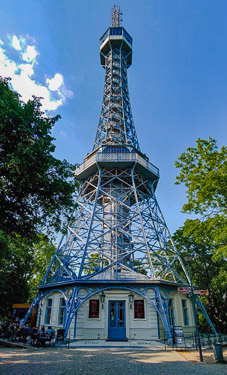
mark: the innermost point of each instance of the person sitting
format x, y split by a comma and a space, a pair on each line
35, 336
27, 333
50, 331
51, 334
42, 336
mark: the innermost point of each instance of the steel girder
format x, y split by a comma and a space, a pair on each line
118, 232
116, 124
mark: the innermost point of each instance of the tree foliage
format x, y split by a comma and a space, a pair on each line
203, 171
36, 189
207, 270
23, 265
37, 194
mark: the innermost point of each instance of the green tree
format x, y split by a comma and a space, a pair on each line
207, 271
36, 190
37, 194
23, 266
42, 252
204, 173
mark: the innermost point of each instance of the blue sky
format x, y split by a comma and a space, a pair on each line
177, 82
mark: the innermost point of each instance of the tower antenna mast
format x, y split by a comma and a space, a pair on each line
116, 14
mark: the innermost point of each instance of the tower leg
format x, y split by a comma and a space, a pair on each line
161, 309
203, 310
71, 309
35, 302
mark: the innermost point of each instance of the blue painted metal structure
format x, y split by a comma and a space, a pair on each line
118, 238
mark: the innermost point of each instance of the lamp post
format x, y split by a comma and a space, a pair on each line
102, 297
131, 297
194, 311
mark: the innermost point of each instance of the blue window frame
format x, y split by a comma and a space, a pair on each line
116, 31
127, 37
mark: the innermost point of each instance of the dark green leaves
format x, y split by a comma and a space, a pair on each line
36, 190
204, 173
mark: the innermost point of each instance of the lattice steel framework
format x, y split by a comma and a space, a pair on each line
118, 233
116, 124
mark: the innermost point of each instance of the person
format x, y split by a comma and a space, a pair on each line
35, 336
27, 332
42, 336
51, 334
42, 330
13, 331
50, 331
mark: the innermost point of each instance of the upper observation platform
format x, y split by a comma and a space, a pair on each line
121, 157
115, 37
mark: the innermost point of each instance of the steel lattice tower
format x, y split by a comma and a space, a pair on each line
118, 236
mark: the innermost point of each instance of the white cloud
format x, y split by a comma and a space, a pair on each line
7, 67
16, 43
26, 69
22, 79
30, 54
55, 82
1, 43
62, 133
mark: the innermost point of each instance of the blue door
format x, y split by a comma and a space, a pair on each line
117, 329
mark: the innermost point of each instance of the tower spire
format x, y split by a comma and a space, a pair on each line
116, 16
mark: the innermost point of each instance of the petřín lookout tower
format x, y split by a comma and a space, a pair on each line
116, 272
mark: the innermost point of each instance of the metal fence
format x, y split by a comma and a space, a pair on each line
190, 341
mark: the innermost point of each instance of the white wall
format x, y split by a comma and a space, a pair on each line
90, 328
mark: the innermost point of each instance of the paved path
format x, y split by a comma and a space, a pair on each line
50, 361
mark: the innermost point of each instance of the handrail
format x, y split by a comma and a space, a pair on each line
114, 157
127, 156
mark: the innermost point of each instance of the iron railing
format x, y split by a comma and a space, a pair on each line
125, 156
190, 341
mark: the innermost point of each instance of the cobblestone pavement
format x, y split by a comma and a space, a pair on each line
101, 362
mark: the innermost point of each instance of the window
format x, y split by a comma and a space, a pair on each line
61, 312
48, 310
127, 37
103, 38
94, 308
139, 309
116, 31
171, 312
185, 312
115, 149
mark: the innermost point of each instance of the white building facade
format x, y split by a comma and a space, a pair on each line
117, 314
